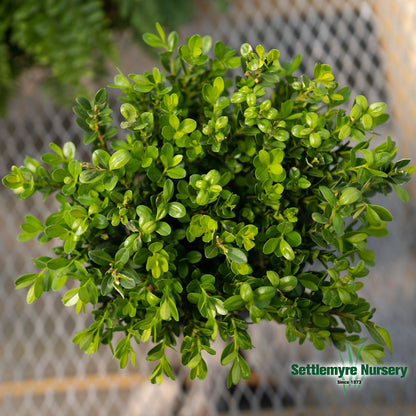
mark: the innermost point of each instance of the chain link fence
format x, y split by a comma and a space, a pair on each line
371, 46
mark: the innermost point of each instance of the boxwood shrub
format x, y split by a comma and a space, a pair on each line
231, 199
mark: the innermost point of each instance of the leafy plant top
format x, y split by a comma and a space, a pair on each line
231, 200
71, 40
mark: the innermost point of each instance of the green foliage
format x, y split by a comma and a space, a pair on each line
70, 37
230, 201
73, 38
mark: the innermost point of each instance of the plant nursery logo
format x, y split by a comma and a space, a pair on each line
349, 374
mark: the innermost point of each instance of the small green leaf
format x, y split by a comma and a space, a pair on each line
211, 251
122, 256
345, 296
356, 237
119, 159
377, 109
155, 247
367, 121
386, 338
244, 368
273, 278
308, 284
100, 97
99, 221
176, 173
59, 281
25, 236
71, 297
233, 303
58, 263
228, 354
30, 296
372, 216
34, 223
286, 250
319, 218
344, 132
165, 311
371, 354
294, 238
246, 292
338, 223
382, 212
236, 255
264, 293
100, 257
188, 125
193, 256
288, 283
163, 228
128, 111
25, 280
142, 83
176, 210
401, 193
270, 245
349, 196
362, 101
90, 176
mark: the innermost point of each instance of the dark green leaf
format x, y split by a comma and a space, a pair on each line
100, 97
100, 257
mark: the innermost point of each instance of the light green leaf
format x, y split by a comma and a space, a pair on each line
188, 125
273, 278
128, 111
401, 193
349, 196
25, 280
382, 212
176, 173
71, 297
286, 250
119, 159
288, 283
176, 210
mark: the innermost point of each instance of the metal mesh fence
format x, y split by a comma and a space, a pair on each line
371, 46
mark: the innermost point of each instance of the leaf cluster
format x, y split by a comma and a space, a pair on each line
231, 200
72, 39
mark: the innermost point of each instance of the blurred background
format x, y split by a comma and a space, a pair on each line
58, 49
